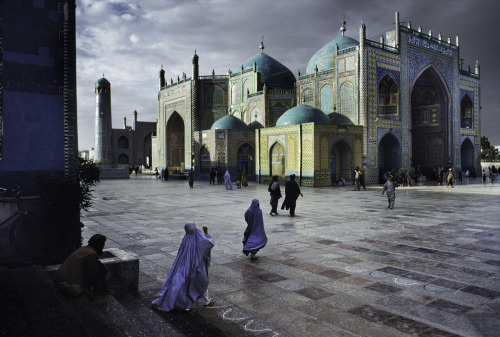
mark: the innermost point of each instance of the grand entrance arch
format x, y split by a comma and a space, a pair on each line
429, 119
389, 154
175, 141
467, 155
341, 161
277, 160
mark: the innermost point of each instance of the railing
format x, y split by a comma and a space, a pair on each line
426, 36
347, 50
466, 123
468, 73
213, 77
382, 46
176, 83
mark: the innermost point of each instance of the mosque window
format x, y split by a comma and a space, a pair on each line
214, 95
246, 89
123, 142
425, 106
327, 99
276, 112
307, 97
347, 99
388, 101
245, 159
235, 93
204, 160
123, 159
466, 112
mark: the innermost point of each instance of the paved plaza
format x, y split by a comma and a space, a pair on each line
345, 265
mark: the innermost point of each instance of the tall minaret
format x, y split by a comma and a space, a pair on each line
103, 129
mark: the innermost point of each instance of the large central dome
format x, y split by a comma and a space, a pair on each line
324, 57
273, 73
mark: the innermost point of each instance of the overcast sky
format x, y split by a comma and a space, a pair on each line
129, 40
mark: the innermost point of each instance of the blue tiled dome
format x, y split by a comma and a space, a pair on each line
324, 57
273, 73
303, 114
102, 80
229, 122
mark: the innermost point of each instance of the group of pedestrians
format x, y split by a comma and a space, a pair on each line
292, 192
187, 280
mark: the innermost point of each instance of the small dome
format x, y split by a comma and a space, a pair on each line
303, 114
229, 122
339, 119
255, 125
273, 73
102, 80
324, 57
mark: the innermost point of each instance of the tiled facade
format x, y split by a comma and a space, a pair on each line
376, 87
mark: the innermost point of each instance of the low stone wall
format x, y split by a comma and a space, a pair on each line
114, 172
122, 266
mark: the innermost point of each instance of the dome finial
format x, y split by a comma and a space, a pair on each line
343, 29
261, 47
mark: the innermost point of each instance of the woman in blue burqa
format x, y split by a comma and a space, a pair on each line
254, 237
187, 281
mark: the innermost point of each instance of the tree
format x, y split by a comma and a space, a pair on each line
488, 151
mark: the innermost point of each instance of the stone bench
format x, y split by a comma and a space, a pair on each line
122, 266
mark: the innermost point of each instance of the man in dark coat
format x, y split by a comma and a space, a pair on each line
292, 192
275, 192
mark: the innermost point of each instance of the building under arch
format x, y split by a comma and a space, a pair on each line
403, 102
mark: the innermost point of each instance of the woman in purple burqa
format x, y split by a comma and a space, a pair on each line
254, 237
187, 280
227, 180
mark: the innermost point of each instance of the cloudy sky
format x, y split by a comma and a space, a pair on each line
129, 40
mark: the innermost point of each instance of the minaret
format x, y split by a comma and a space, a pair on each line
103, 129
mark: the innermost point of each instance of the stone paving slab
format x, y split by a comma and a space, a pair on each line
345, 265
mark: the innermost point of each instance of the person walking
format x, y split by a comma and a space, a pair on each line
187, 280
275, 192
244, 181
227, 181
357, 174
191, 178
391, 192
254, 237
449, 179
238, 179
292, 192
212, 176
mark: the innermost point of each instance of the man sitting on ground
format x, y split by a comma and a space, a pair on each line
83, 272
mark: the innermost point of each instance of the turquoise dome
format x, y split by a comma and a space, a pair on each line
273, 73
303, 114
324, 57
102, 80
229, 122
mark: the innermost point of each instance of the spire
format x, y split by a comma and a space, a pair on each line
261, 47
343, 29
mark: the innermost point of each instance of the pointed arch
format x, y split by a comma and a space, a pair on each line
389, 153
307, 97
175, 141
277, 159
388, 96
466, 120
245, 159
326, 98
430, 121
347, 99
467, 155
205, 161
341, 161
123, 159
123, 142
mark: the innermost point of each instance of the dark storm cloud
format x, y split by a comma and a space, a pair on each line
131, 39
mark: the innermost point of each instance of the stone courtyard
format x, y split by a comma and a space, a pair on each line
345, 265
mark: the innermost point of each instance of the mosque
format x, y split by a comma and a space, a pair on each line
403, 102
